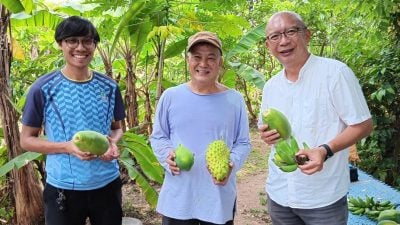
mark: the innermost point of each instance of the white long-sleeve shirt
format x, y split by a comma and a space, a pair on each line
183, 117
319, 105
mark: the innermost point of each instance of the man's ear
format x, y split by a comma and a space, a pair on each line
308, 34
221, 62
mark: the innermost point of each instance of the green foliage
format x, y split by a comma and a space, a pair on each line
249, 74
136, 153
6, 213
248, 41
13, 6
138, 146
19, 162
3, 154
381, 83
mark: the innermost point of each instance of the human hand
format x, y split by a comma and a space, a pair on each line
225, 180
268, 136
112, 151
74, 150
172, 164
316, 158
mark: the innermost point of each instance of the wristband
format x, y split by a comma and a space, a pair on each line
328, 149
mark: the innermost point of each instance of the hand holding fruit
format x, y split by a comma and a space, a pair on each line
172, 164
315, 161
270, 137
112, 151
225, 180
72, 149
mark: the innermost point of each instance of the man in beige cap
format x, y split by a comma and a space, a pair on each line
195, 114
204, 37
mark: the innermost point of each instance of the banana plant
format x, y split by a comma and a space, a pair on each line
248, 41
14, 6
19, 162
137, 146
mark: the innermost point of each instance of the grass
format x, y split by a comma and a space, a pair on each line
258, 157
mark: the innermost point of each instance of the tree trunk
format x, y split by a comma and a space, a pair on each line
26, 186
160, 70
130, 94
107, 61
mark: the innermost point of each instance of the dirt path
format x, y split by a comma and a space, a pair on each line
251, 199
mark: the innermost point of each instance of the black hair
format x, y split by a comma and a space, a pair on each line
75, 26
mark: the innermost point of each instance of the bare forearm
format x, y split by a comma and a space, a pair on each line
116, 131
36, 144
351, 135
116, 135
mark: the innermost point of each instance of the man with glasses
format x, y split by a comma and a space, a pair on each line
63, 102
325, 106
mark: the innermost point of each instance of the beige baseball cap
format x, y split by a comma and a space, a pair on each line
204, 37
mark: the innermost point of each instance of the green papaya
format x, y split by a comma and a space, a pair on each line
184, 158
390, 214
91, 141
277, 120
387, 222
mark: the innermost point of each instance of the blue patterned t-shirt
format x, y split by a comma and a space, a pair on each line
64, 107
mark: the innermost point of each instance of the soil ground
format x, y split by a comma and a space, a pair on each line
251, 198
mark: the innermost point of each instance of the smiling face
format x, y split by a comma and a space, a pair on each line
204, 62
77, 51
290, 51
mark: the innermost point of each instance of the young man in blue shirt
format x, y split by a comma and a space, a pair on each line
63, 102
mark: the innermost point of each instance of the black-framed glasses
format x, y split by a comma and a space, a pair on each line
289, 33
74, 42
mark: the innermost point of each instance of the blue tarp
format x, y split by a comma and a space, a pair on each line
367, 185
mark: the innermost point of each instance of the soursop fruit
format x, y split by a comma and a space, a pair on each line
218, 157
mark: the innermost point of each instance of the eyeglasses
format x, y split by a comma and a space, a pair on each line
74, 42
289, 33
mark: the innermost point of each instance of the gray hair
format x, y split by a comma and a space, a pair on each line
290, 13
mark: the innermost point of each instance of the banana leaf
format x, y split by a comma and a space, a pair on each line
248, 41
141, 151
248, 73
19, 162
148, 191
14, 6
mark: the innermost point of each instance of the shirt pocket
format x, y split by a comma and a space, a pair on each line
315, 113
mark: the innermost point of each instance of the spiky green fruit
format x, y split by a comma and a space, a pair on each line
184, 158
218, 158
91, 141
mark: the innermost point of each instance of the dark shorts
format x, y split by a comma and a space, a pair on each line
171, 221
336, 213
102, 206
